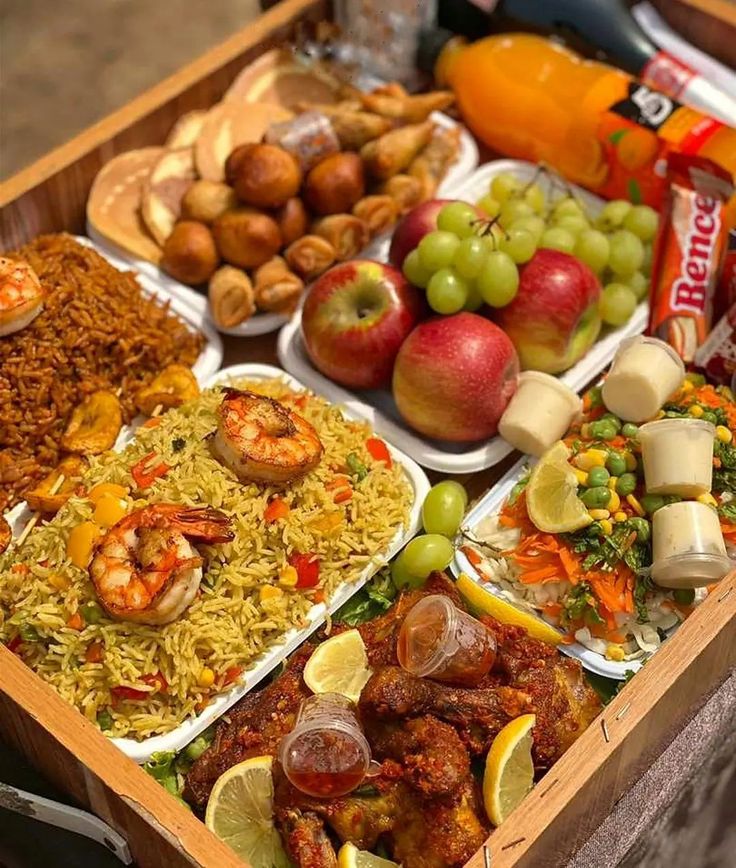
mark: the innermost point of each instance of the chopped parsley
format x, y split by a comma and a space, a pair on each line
581, 605
724, 477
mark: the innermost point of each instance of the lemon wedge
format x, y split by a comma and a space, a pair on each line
351, 857
509, 773
240, 812
552, 493
505, 612
339, 665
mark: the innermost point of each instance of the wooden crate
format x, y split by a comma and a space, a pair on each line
578, 791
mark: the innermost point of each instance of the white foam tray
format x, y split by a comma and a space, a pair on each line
188, 309
263, 323
141, 751
379, 407
490, 504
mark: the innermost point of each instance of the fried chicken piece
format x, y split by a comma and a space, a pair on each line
433, 758
421, 832
306, 840
477, 715
253, 727
432, 834
564, 702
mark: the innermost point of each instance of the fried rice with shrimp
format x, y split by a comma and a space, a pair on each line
136, 680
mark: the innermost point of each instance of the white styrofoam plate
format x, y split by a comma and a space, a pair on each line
490, 504
184, 307
379, 405
141, 751
263, 323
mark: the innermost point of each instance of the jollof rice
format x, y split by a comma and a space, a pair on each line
98, 330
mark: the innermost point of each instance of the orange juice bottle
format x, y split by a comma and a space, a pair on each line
530, 98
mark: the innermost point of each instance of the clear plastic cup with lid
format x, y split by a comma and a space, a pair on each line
678, 456
540, 413
326, 754
688, 549
644, 373
439, 641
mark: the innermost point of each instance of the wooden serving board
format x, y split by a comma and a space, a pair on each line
575, 795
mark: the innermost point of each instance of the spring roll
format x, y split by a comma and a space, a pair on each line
394, 151
310, 255
379, 212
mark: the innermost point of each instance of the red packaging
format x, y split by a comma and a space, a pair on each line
726, 289
717, 356
688, 252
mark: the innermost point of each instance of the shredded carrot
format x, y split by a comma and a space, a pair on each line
729, 530
20, 568
338, 481
472, 555
153, 422
276, 509
76, 622
318, 596
94, 653
543, 574
553, 610
343, 495
568, 639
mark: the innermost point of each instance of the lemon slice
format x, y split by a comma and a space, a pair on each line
240, 812
505, 612
351, 857
509, 773
339, 665
552, 493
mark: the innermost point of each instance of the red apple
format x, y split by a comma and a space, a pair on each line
553, 320
419, 222
355, 318
454, 376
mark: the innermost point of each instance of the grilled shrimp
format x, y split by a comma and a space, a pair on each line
262, 440
145, 568
21, 295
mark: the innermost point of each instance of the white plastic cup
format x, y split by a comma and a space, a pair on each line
688, 549
677, 456
439, 641
644, 373
540, 413
326, 754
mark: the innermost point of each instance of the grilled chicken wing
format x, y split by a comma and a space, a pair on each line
477, 715
253, 727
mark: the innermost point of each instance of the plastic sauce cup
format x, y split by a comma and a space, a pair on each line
437, 640
326, 754
677, 456
644, 373
687, 546
540, 413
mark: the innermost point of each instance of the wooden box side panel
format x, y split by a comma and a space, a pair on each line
73, 754
51, 194
580, 790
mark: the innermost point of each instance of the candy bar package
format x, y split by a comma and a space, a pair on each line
689, 252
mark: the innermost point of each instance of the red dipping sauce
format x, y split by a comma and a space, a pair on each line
439, 641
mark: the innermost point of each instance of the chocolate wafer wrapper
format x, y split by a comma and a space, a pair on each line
717, 356
689, 251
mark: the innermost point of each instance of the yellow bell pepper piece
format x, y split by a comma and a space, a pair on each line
81, 541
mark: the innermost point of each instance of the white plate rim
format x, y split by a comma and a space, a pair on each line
430, 453
141, 751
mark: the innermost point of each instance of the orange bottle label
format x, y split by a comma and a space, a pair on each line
636, 135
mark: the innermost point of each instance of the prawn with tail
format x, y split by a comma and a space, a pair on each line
21, 295
261, 440
146, 569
